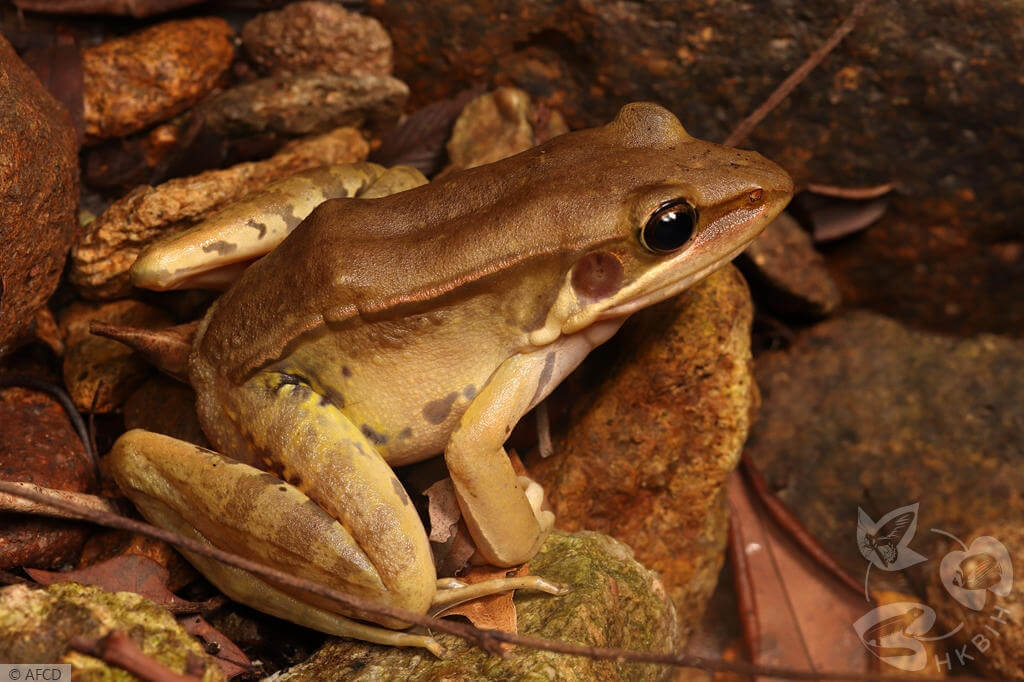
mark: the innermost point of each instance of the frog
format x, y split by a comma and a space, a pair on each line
398, 320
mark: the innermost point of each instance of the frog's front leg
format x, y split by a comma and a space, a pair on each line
344, 521
506, 528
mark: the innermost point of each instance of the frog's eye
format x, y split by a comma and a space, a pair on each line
670, 227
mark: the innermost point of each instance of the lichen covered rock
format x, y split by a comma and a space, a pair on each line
615, 602
36, 625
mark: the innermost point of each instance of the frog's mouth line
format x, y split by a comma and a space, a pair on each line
673, 287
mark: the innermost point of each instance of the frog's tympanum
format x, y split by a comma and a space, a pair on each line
388, 328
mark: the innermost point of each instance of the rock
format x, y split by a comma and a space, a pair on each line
38, 196
993, 633
100, 262
499, 124
783, 266
660, 416
36, 625
317, 36
909, 73
100, 373
149, 76
863, 412
166, 406
306, 103
615, 602
39, 445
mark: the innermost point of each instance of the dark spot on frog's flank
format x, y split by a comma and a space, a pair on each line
436, 411
282, 488
405, 433
508, 429
345, 371
257, 226
545, 375
469, 392
330, 396
373, 436
222, 247
400, 491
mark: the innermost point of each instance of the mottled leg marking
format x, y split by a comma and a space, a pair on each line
343, 520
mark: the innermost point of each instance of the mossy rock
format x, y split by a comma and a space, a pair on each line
36, 625
615, 602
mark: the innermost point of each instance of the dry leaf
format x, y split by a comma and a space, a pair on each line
232, 660
443, 510
795, 613
495, 612
419, 141
125, 573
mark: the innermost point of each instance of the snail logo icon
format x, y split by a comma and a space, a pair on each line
971, 573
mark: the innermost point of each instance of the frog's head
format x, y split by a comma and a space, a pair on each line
683, 207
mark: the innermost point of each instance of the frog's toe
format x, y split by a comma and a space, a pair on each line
450, 583
446, 598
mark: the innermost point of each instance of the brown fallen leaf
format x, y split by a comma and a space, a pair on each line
231, 659
443, 510
833, 214
495, 612
125, 573
419, 141
795, 613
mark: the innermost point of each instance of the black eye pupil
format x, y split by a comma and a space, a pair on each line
670, 227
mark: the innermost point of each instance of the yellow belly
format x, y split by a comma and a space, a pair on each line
405, 383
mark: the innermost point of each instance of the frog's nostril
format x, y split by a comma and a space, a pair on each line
755, 195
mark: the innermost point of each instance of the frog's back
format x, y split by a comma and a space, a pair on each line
388, 256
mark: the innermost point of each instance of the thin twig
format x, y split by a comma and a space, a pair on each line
20, 505
120, 650
488, 640
741, 131
61, 396
794, 529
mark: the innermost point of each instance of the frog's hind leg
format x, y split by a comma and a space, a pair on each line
342, 520
295, 529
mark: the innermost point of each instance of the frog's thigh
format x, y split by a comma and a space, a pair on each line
497, 512
316, 448
238, 508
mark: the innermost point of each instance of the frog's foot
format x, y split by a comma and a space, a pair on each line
445, 598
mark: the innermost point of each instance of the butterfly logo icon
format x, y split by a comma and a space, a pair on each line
885, 543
